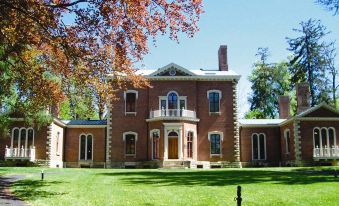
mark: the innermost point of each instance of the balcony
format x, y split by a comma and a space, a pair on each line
20, 153
173, 114
326, 152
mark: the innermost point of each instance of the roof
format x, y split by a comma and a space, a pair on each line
190, 74
261, 122
84, 122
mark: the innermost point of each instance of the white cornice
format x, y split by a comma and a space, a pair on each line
173, 118
194, 78
86, 126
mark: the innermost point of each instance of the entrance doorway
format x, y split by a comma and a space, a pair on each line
173, 145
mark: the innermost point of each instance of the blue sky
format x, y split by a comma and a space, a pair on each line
243, 25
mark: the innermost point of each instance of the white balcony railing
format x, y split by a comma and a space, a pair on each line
326, 152
172, 113
20, 153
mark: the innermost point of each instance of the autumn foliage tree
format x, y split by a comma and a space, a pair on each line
45, 43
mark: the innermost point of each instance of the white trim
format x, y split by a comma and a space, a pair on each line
135, 143
221, 134
173, 118
321, 145
86, 136
193, 142
136, 98
287, 146
169, 66
151, 137
86, 126
208, 97
178, 97
169, 127
258, 136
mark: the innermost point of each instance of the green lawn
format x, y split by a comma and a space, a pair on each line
264, 186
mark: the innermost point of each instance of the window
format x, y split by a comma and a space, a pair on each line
86, 147
155, 135
22, 138
214, 97
258, 146
215, 139
131, 97
324, 137
189, 144
287, 141
130, 139
172, 100
57, 143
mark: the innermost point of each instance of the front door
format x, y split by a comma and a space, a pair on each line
173, 148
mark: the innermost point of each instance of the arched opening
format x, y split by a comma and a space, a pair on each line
172, 145
172, 100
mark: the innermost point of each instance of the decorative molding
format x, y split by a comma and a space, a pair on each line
109, 137
236, 125
173, 118
297, 142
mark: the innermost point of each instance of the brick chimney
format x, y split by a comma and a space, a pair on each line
303, 97
55, 110
222, 56
284, 107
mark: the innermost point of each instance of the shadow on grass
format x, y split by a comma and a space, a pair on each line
34, 189
221, 177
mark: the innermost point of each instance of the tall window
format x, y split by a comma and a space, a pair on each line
324, 137
214, 97
86, 147
57, 143
287, 141
258, 146
131, 97
215, 141
130, 139
189, 144
22, 138
155, 144
172, 100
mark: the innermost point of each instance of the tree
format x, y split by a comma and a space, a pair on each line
330, 55
269, 81
331, 5
41, 51
309, 62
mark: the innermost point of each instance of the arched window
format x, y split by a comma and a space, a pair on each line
189, 144
130, 139
172, 100
214, 97
215, 139
86, 147
287, 136
30, 138
324, 137
130, 97
15, 138
22, 138
258, 146
155, 135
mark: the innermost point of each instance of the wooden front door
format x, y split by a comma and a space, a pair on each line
173, 148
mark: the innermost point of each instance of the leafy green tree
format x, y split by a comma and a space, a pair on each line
269, 81
309, 61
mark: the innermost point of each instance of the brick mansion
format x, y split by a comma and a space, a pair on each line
188, 118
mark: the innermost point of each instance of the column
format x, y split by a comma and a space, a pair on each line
165, 144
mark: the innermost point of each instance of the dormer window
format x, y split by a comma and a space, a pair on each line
130, 97
214, 97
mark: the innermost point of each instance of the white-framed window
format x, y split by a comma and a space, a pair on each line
22, 138
130, 139
155, 138
130, 97
258, 146
214, 97
190, 136
86, 147
324, 137
287, 136
172, 101
57, 150
215, 139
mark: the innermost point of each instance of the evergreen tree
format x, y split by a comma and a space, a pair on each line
309, 62
331, 5
269, 81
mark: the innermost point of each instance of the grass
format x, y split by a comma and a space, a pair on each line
262, 186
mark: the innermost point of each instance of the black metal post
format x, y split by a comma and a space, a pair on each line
335, 173
238, 198
42, 175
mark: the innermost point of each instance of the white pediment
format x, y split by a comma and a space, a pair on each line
172, 69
